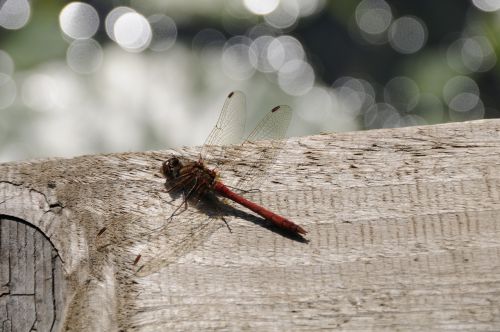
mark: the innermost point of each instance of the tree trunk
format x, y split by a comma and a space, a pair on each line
403, 234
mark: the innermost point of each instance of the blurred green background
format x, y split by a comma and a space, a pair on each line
109, 76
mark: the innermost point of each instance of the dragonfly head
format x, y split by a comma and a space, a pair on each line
171, 168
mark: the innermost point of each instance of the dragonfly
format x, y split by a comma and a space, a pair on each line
195, 180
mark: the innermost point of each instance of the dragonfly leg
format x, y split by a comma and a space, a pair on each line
227, 225
198, 193
176, 210
182, 181
184, 203
186, 197
195, 190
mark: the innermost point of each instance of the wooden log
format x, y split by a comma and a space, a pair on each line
403, 234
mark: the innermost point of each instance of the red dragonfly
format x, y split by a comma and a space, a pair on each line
198, 179
195, 180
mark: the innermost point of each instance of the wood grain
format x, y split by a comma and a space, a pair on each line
29, 269
403, 234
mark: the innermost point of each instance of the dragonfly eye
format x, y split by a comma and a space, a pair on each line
174, 162
164, 168
171, 168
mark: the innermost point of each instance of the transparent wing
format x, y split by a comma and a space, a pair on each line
172, 243
157, 242
230, 125
272, 127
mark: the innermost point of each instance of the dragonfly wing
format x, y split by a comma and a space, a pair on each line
172, 243
273, 128
157, 241
230, 125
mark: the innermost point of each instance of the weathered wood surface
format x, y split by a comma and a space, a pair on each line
29, 269
403, 225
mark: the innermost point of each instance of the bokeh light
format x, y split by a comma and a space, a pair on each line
478, 54
487, 5
237, 59
475, 113
464, 102
164, 32
208, 38
112, 17
373, 18
472, 54
462, 96
310, 7
260, 47
261, 7
296, 77
132, 32
284, 16
381, 115
84, 56
8, 91
53, 90
457, 85
316, 106
284, 49
353, 95
407, 35
38, 92
6, 65
14, 14
79, 20
239, 11
402, 93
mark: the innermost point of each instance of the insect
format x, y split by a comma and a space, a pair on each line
196, 179
196, 176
